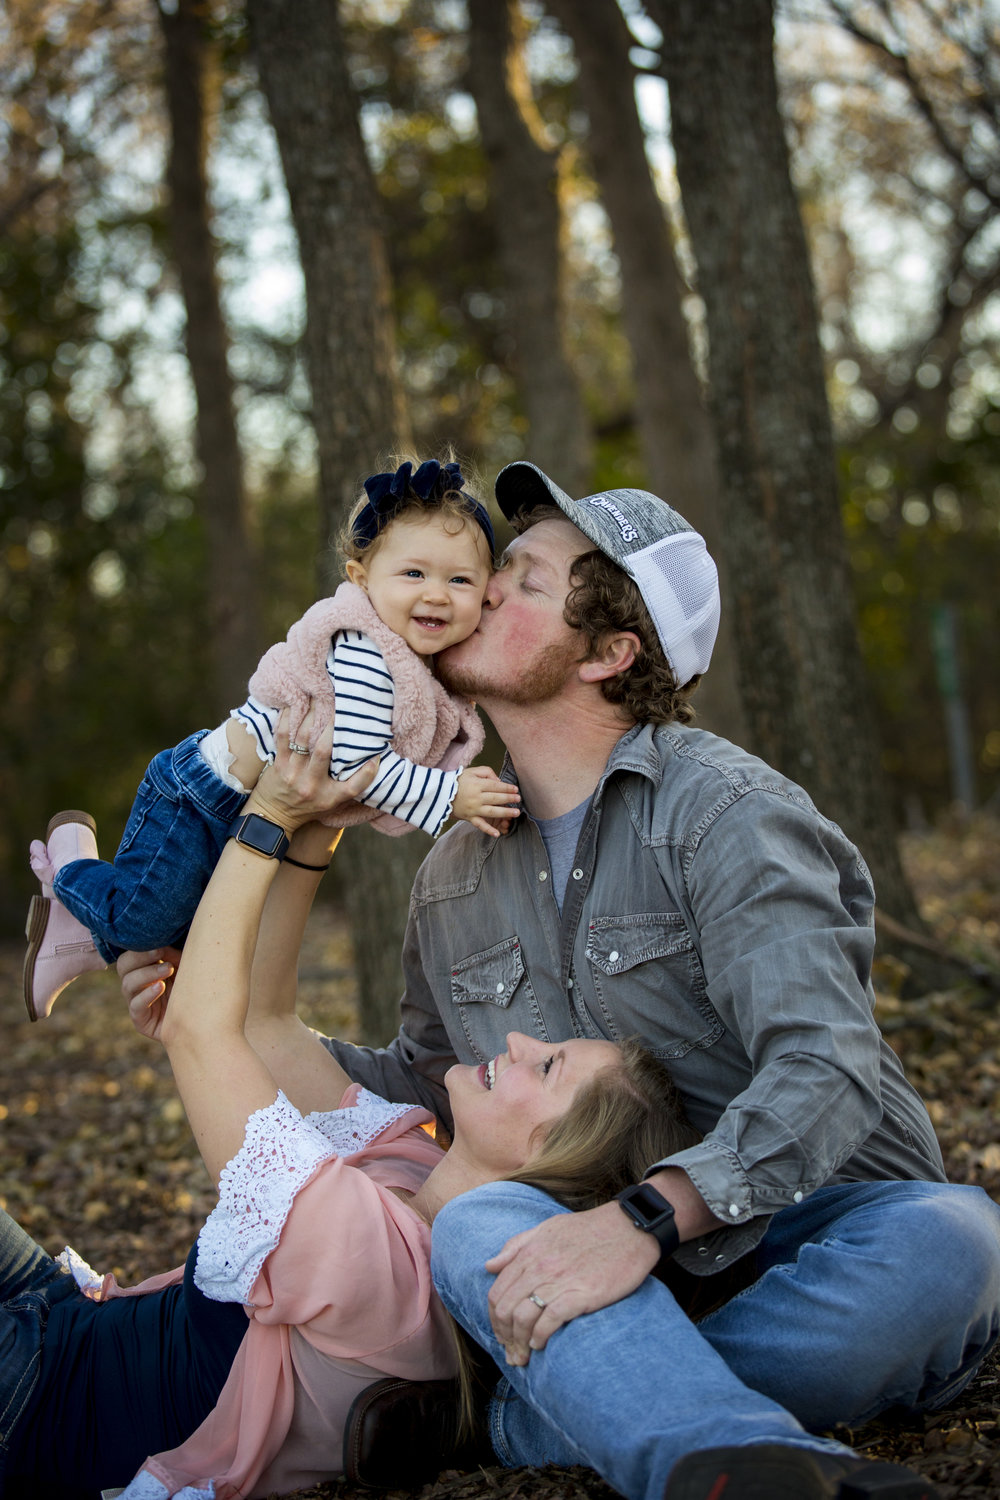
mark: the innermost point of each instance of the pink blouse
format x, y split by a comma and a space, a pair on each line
334, 1270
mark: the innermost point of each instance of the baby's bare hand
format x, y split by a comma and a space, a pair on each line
485, 801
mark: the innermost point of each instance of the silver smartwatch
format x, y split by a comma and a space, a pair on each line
260, 835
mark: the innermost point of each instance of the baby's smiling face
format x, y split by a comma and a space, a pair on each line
426, 580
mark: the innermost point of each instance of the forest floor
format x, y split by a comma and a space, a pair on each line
95, 1150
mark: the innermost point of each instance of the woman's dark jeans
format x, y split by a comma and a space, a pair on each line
30, 1283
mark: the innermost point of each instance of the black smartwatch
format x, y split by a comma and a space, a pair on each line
651, 1212
260, 835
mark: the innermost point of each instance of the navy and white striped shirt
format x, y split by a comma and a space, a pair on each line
362, 728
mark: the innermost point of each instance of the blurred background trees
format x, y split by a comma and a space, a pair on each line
249, 249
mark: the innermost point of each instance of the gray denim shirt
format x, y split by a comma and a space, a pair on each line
715, 914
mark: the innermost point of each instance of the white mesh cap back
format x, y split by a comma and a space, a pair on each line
680, 584
651, 542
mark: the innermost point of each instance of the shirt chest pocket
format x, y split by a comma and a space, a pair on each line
649, 982
492, 995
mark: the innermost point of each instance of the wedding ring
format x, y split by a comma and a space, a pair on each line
538, 1301
298, 749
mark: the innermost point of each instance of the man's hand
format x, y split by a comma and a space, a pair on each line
573, 1263
147, 979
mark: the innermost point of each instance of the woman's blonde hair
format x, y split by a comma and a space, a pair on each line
621, 1122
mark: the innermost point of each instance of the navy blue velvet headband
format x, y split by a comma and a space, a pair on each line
388, 492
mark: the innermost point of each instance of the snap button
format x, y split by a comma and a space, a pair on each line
720, 1257
613, 956
543, 874
577, 874
702, 1249
734, 1209
569, 984
500, 988
797, 1197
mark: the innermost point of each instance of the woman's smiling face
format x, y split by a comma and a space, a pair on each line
502, 1108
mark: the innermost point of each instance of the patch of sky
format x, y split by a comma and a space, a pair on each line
900, 260
460, 110
653, 105
641, 25
260, 271
549, 53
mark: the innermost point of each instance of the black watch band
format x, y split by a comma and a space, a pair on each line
260, 835
651, 1212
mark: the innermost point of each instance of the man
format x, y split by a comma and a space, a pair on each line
662, 883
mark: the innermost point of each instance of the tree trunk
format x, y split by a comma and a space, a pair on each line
232, 606
524, 199
357, 404
349, 339
802, 677
677, 440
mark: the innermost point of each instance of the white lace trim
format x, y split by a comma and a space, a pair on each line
279, 1155
85, 1276
353, 1128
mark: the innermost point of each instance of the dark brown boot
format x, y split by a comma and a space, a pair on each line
400, 1434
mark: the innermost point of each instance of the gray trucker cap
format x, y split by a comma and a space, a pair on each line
650, 542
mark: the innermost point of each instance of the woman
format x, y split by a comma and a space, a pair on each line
311, 1277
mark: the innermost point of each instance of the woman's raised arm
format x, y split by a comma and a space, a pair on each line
302, 1067
221, 1077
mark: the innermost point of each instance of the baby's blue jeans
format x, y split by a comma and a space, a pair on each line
872, 1295
175, 833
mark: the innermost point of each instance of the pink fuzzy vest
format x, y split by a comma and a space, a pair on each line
430, 726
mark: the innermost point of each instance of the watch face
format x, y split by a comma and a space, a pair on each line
646, 1205
266, 837
650, 1211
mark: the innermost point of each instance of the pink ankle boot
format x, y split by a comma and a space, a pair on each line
70, 835
60, 948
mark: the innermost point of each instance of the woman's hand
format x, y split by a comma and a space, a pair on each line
147, 979
297, 787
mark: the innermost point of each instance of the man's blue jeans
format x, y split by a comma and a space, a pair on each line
871, 1295
175, 833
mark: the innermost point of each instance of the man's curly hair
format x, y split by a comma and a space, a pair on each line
603, 600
